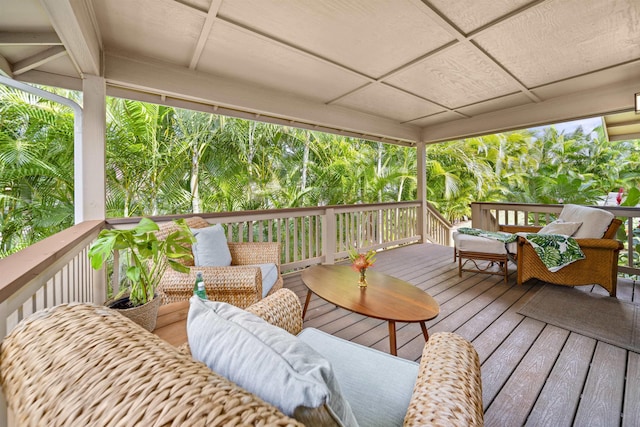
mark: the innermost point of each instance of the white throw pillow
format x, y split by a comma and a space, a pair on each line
210, 248
595, 222
266, 361
559, 226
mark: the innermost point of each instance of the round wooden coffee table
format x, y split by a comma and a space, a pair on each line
385, 297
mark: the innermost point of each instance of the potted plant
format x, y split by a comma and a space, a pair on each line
145, 260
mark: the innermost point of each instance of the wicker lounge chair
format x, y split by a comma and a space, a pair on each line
600, 265
239, 284
83, 365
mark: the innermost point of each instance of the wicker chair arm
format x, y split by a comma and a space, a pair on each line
604, 244
251, 253
281, 309
79, 364
448, 390
585, 244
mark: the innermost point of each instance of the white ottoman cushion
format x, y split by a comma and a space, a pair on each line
469, 243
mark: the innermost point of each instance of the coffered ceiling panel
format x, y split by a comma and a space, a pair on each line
559, 39
142, 28
469, 15
271, 64
367, 36
383, 100
455, 77
29, 16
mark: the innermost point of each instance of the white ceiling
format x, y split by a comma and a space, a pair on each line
392, 70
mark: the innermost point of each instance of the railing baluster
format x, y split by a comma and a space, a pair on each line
630, 246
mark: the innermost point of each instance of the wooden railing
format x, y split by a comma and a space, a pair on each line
315, 235
488, 216
53, 271
439, 229
56, 270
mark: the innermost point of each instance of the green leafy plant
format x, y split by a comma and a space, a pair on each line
146, 257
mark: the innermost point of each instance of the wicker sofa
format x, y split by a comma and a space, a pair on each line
63, 366
239, 284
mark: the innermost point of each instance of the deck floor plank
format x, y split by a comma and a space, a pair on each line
491, 338
602, 399
497, 369
558, 401
631, 410
525, 383
477, 324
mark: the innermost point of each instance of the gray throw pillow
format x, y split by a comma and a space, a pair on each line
210, 248
266, 361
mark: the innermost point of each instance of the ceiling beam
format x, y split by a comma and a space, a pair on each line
38, 59
597, 102
624, 137
160, 78
204, 33
50, 79
29, 39
5, 67
73, 23
625, 123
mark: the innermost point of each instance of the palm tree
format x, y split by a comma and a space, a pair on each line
36, 168
141, 171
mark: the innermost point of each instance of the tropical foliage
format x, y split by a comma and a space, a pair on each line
146, 257
36, 168
162, 160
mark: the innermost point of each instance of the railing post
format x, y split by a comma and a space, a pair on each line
476, 216
422, 226
329, 236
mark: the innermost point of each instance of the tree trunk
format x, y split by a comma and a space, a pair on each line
305, 162
195, 182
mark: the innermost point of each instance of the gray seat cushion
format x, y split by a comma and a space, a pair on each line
377, 385
269, 277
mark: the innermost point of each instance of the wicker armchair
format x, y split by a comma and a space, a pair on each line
239, 284
600, 265
81, 364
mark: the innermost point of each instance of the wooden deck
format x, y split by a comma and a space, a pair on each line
533, 373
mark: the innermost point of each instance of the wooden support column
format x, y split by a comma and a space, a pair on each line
90, 157
421, 159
